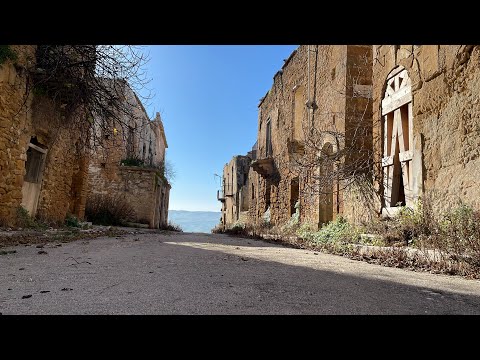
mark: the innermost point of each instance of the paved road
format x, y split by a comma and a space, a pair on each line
215, 274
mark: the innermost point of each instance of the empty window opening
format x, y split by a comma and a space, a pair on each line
267, 198
130, 142
268, 139
294, 195
298, 113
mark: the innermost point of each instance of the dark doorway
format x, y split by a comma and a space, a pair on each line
294, 194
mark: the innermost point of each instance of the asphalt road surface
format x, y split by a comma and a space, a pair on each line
188, 273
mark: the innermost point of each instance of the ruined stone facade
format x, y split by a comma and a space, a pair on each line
234, 194
42, 165
438, 108
128, 158
319, 88
406, 118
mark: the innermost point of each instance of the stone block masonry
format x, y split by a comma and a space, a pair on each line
405, 117
445, 117
31, 122
317, 98
140, 141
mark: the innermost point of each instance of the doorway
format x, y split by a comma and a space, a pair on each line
32, 181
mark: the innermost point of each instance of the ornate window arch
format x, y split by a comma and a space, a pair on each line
398, 142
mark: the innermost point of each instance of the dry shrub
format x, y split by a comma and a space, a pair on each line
454, 235
103, 209
171, 227
244, 230
408, 225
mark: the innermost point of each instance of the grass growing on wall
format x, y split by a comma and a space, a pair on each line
132, 161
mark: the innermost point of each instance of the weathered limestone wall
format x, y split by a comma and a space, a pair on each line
63, 183
255, 209
278, 106
446, 116
15, 123
355, 203
149, 141
229, 188
235, 189
327, 75
23, 116
136, 185
141, 186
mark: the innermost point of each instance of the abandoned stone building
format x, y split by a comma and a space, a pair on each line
128, 161
359, 131
426, 115
319, 102
47, 132
234, 194
42, 166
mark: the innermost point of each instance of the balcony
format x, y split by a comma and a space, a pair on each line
296, 147
265, 167
220, 196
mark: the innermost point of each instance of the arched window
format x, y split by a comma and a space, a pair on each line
298, 113
268, 139
397, 139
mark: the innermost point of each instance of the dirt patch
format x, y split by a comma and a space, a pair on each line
41, 237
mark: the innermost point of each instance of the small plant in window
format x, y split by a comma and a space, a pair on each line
132, 161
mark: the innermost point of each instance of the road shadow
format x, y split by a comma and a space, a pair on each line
299, 289
211, 274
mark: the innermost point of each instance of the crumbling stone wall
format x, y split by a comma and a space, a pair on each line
15, 122
144, 187
24, 115
328, 79
235, 189
63, 184
140, 187
446, 116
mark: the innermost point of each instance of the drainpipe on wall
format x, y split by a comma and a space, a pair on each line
310, 104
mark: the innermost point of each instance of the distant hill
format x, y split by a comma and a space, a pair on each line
195, 221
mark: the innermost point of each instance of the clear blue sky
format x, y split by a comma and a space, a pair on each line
207, 96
